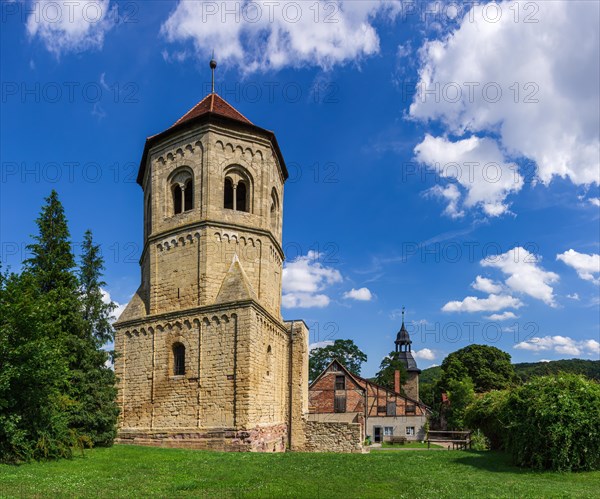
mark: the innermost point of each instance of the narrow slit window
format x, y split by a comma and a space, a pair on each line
178, 359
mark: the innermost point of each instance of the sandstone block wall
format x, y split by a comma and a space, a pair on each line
333, 437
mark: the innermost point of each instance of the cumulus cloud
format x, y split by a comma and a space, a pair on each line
561, 344
587, 266
66, 26
475, 164
106, 298
361, 294
258, 35
595, 201
304, 279
486, 285
424, 353
573, 296
492, 303
504, 316
525, 275
538, 77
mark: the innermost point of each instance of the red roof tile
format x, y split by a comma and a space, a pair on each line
212, 103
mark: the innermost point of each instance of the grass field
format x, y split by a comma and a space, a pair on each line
129, 471
409, 445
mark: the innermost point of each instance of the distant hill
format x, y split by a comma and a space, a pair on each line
526, 370
589, 368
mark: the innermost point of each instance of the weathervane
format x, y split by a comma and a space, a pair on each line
402, 314
213, 65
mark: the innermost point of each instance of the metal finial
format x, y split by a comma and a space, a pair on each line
402, 314
213, 65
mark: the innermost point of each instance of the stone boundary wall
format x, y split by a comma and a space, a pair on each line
261, 439
333, 436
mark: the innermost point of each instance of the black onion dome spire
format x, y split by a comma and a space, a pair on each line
404, 348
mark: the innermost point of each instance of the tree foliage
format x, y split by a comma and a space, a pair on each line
345, 351
488, 367
54, 324
389, 365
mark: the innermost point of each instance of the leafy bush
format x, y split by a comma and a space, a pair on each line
479, 441
551, 422
488, 414
555, 423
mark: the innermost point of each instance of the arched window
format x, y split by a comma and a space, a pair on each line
241, 197
228, 194
188, 195
177, 208
178, 359
148, 216
237, 189
269, 361
274, 210
182, 189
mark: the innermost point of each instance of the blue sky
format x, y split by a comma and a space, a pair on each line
442, 160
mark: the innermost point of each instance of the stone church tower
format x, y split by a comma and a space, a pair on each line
404, 353
204, 357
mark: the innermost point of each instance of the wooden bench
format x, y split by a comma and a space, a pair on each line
397, 440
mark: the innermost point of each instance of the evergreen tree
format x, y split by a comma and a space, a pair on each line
96, 313
78, 322
33, 376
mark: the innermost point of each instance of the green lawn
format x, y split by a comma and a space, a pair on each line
409, 445
129, 471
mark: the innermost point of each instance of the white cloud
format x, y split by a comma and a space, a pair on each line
451, 195
504, 316
478, 166
304, 279
70, 26
486, 285
595, 201
106, 298
525, 275
361, 294
259, 35
544, 360
585, 265
424, 353
561, 344
554, 64
492, 303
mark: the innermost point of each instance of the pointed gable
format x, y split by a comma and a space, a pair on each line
235, 285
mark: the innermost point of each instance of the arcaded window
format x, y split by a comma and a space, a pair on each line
228, 194
237, 189
182, 190
178, 359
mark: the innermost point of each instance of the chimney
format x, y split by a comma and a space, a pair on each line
397, 381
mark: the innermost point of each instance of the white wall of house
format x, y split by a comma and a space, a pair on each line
411, 427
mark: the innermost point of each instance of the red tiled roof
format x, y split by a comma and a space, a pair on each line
212, 103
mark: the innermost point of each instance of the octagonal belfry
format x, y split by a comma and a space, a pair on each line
204, 359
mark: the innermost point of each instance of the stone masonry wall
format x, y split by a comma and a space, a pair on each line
333, 437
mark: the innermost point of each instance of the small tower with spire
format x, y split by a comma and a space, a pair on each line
404, 353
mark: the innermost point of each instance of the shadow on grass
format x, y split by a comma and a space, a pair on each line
495, 461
